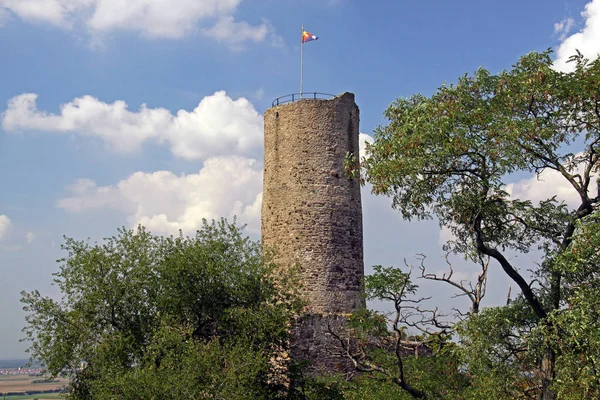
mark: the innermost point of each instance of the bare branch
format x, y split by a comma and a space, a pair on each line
466, 288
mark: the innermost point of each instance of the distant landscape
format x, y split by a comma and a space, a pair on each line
5, 364
18, 381
50, 396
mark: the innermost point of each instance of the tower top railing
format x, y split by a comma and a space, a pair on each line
290, 98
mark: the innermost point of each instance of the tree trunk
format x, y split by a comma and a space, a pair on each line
548, 374
549, 357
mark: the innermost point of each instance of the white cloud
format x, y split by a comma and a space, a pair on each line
4, 225
151, 18
363, 139
587, 40
546, 185
218, 125
563, 28
119, 128
235, 33
54, 12
30, 236
163, 202
156, 18
86, 195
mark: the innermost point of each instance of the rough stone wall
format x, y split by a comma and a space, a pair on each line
312, 341
311, 210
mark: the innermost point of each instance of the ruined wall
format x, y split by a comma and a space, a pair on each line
311, 210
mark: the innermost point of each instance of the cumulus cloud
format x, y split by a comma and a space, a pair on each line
163, 202
587, 40
121, 129
548, 184
4, 225
157, 18
54, 12
218, 125
151, 18
86, 195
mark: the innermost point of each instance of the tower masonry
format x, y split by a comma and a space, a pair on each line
311, 209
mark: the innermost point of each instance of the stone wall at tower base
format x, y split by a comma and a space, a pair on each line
311, 342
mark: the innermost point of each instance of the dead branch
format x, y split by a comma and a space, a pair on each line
475, 293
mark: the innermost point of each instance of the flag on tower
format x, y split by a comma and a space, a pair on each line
307, 36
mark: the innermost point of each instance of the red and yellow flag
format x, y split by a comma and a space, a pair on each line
307, 37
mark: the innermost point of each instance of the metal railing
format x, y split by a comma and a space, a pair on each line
290, 98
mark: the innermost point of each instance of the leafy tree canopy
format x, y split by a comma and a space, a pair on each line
143, 316
576, 333
451, 156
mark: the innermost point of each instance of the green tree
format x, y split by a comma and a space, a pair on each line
149, 317
395, 363
450, 156
576, 333
497, 348
573, 331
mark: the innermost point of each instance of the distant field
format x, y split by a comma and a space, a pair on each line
49, 396
23, 383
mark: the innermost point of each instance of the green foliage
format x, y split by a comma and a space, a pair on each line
388, 283
437, 376
393, 363
364, 387
450, 156
498, 351
366, 323
143, 316
231, 369
575, 328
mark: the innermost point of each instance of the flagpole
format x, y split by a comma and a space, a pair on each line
301, 60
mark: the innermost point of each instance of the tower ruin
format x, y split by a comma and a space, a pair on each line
311, 208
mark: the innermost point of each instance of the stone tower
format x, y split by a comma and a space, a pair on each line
311, 209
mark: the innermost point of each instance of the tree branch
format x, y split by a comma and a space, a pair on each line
508, 269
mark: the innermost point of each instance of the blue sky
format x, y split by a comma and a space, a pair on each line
116, 113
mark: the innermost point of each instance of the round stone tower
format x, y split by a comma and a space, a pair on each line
311, 209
